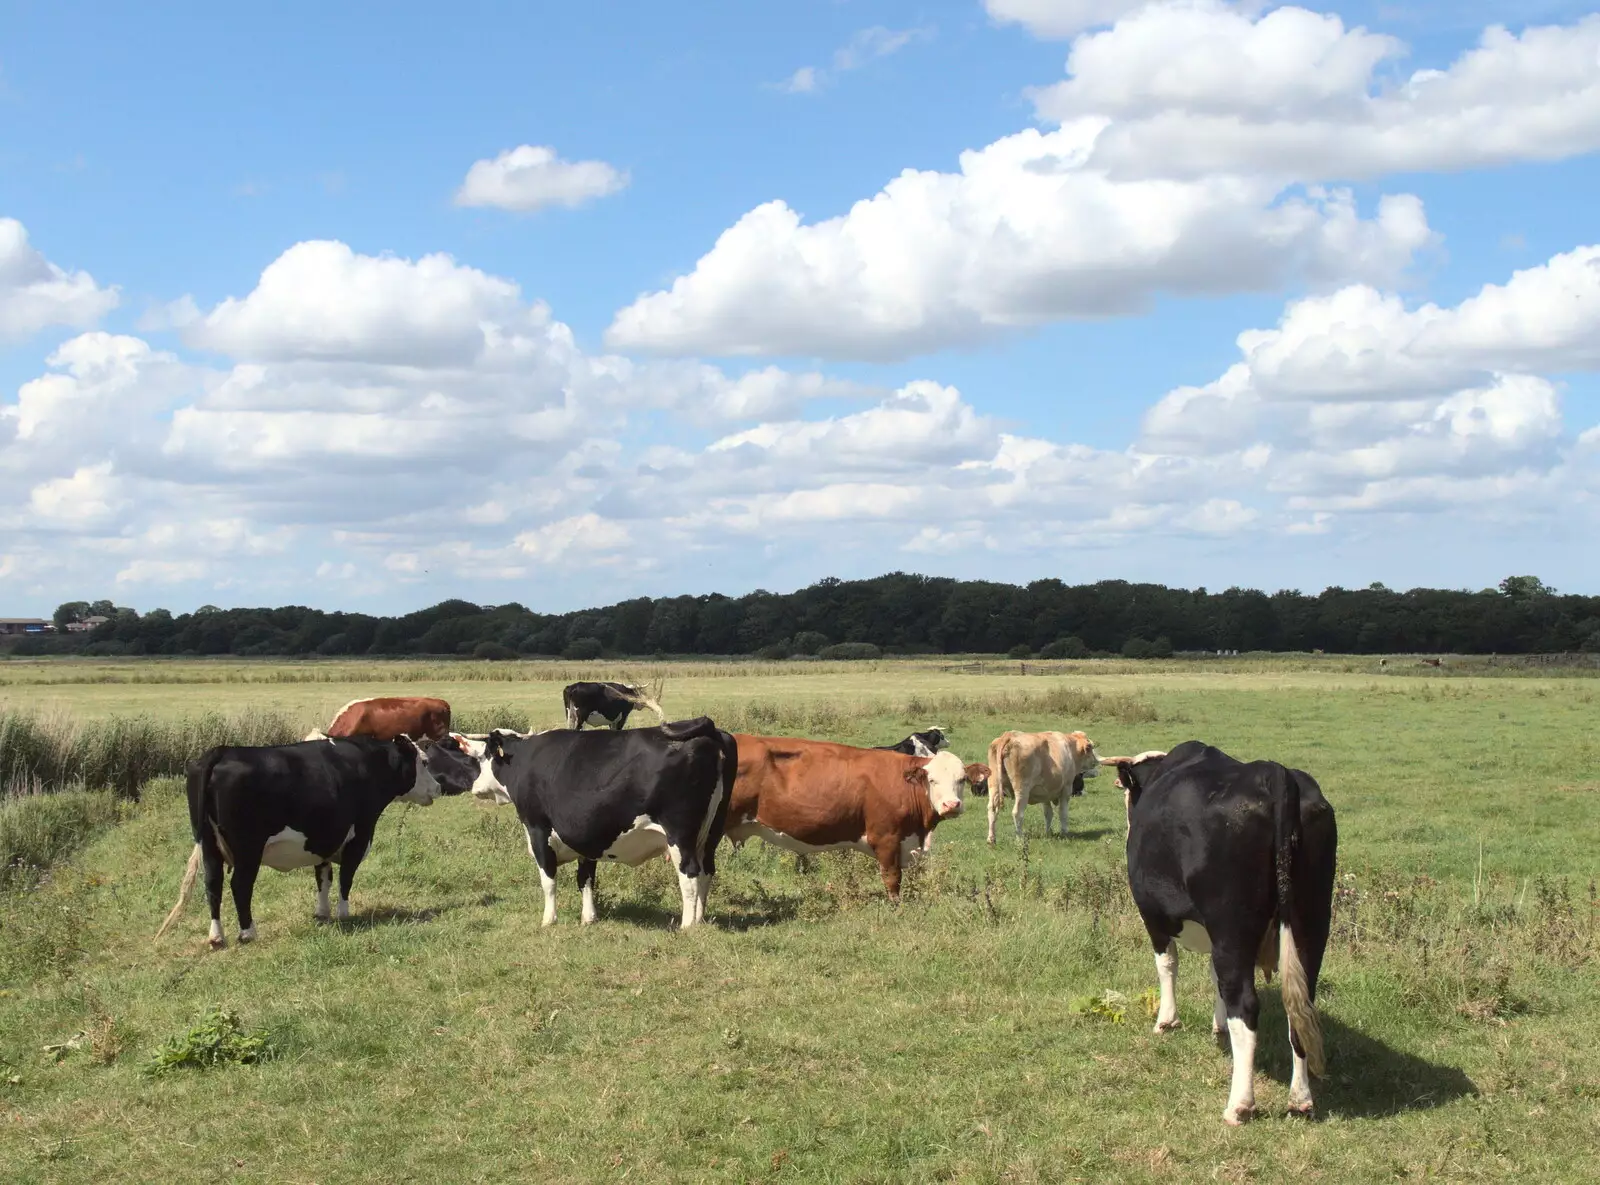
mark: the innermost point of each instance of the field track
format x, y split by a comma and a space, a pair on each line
813, 1032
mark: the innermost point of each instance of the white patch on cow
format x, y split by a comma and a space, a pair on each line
316, 734
927, 843
487, 787
750, 829
564, 852
217, 940
588, 903
1193, 937
425, 788
596, 720
344, 907
287, 851
248, 934
1167, 977
546, 881
1242, 1096
639, 843
947, 776
702, 893
1299, 1085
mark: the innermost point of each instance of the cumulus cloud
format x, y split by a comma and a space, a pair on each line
1059, 18
1023, 234
1189, 88
35, 293
532, 177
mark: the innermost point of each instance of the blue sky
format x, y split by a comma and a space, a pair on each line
264, 340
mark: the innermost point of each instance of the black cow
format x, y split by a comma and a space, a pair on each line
1236, 859
919, 744
307, 805
606, 704
623, 796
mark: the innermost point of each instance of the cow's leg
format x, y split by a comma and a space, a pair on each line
243, 884
1236, 980
355, 849
324, 883
888, 853
572, 717
689, 875
1219, 1011
1061, 811
1300, 1080
211, 859
545, 859
1049, 817
1017, 811
996, 800
1167, 977
586, 887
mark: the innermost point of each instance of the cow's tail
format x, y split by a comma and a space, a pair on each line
998, 781
199, 779
1297, 1000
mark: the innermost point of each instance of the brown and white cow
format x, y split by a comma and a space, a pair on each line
817, 796
390, 716
1037, 767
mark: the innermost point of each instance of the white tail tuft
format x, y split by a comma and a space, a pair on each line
187, 887
1297, 1001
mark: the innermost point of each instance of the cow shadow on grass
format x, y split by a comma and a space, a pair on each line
736, 914
398, 915
1365, 1079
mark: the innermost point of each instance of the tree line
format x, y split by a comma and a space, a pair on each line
899, 613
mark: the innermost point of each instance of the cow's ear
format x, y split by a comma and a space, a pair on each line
494, 747
917, 775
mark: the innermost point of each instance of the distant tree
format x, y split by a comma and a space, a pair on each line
101, 609
495, 652
583, 649
1525, 588
71, 611
1136, 648
1020, 650
808, 642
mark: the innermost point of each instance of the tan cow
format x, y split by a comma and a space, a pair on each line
387, 717
1037, 767
816, 796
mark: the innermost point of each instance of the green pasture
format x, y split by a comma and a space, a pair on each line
991, 1028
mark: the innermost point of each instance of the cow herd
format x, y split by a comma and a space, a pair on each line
1227, 858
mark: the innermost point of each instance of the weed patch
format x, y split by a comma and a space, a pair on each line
218, 1039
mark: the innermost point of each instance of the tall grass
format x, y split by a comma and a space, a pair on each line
1074, 704
47, 752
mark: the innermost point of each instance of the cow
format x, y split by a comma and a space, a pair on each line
1043, 767
919, 744
387, 717
606, 704
307, 805
1236, 859
1126, 777
817, 796
622, 796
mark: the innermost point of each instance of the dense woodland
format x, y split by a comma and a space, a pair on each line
894, 614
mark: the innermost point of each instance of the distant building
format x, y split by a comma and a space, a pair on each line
25, 625
84, 626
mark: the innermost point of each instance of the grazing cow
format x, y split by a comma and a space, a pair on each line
919, 744
390, 716
1043, 767
307, 805
606, 704
1236, 859
623, 796
816, 796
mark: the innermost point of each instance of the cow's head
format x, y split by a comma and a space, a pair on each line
489, 787
1083, 754
1133, 773
424, 787
452, 764
947, 781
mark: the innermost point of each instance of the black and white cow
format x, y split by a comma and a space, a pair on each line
307, 805
1235, 859
622, 796
919, 744
605, 704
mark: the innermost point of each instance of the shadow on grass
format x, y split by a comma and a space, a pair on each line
398, 915
736, 915
1091, 833
1365, 1079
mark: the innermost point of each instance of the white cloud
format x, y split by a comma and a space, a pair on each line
1023, 234
581, 539
1059, 18
162, 572
532, 177
85, 498
321, 300
1189, 88
864, 47
35, 293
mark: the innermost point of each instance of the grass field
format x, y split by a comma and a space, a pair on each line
813, 1032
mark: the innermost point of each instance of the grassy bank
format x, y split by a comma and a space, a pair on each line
814, 1033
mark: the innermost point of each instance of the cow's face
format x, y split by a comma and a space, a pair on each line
1088, 761
947, 783
978, 778
453, 767
425, 787
489, 787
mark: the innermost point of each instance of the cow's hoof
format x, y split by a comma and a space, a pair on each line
217, 943
1301, 1111
322, 917
1238, 1116
1167, 1026
247, 935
